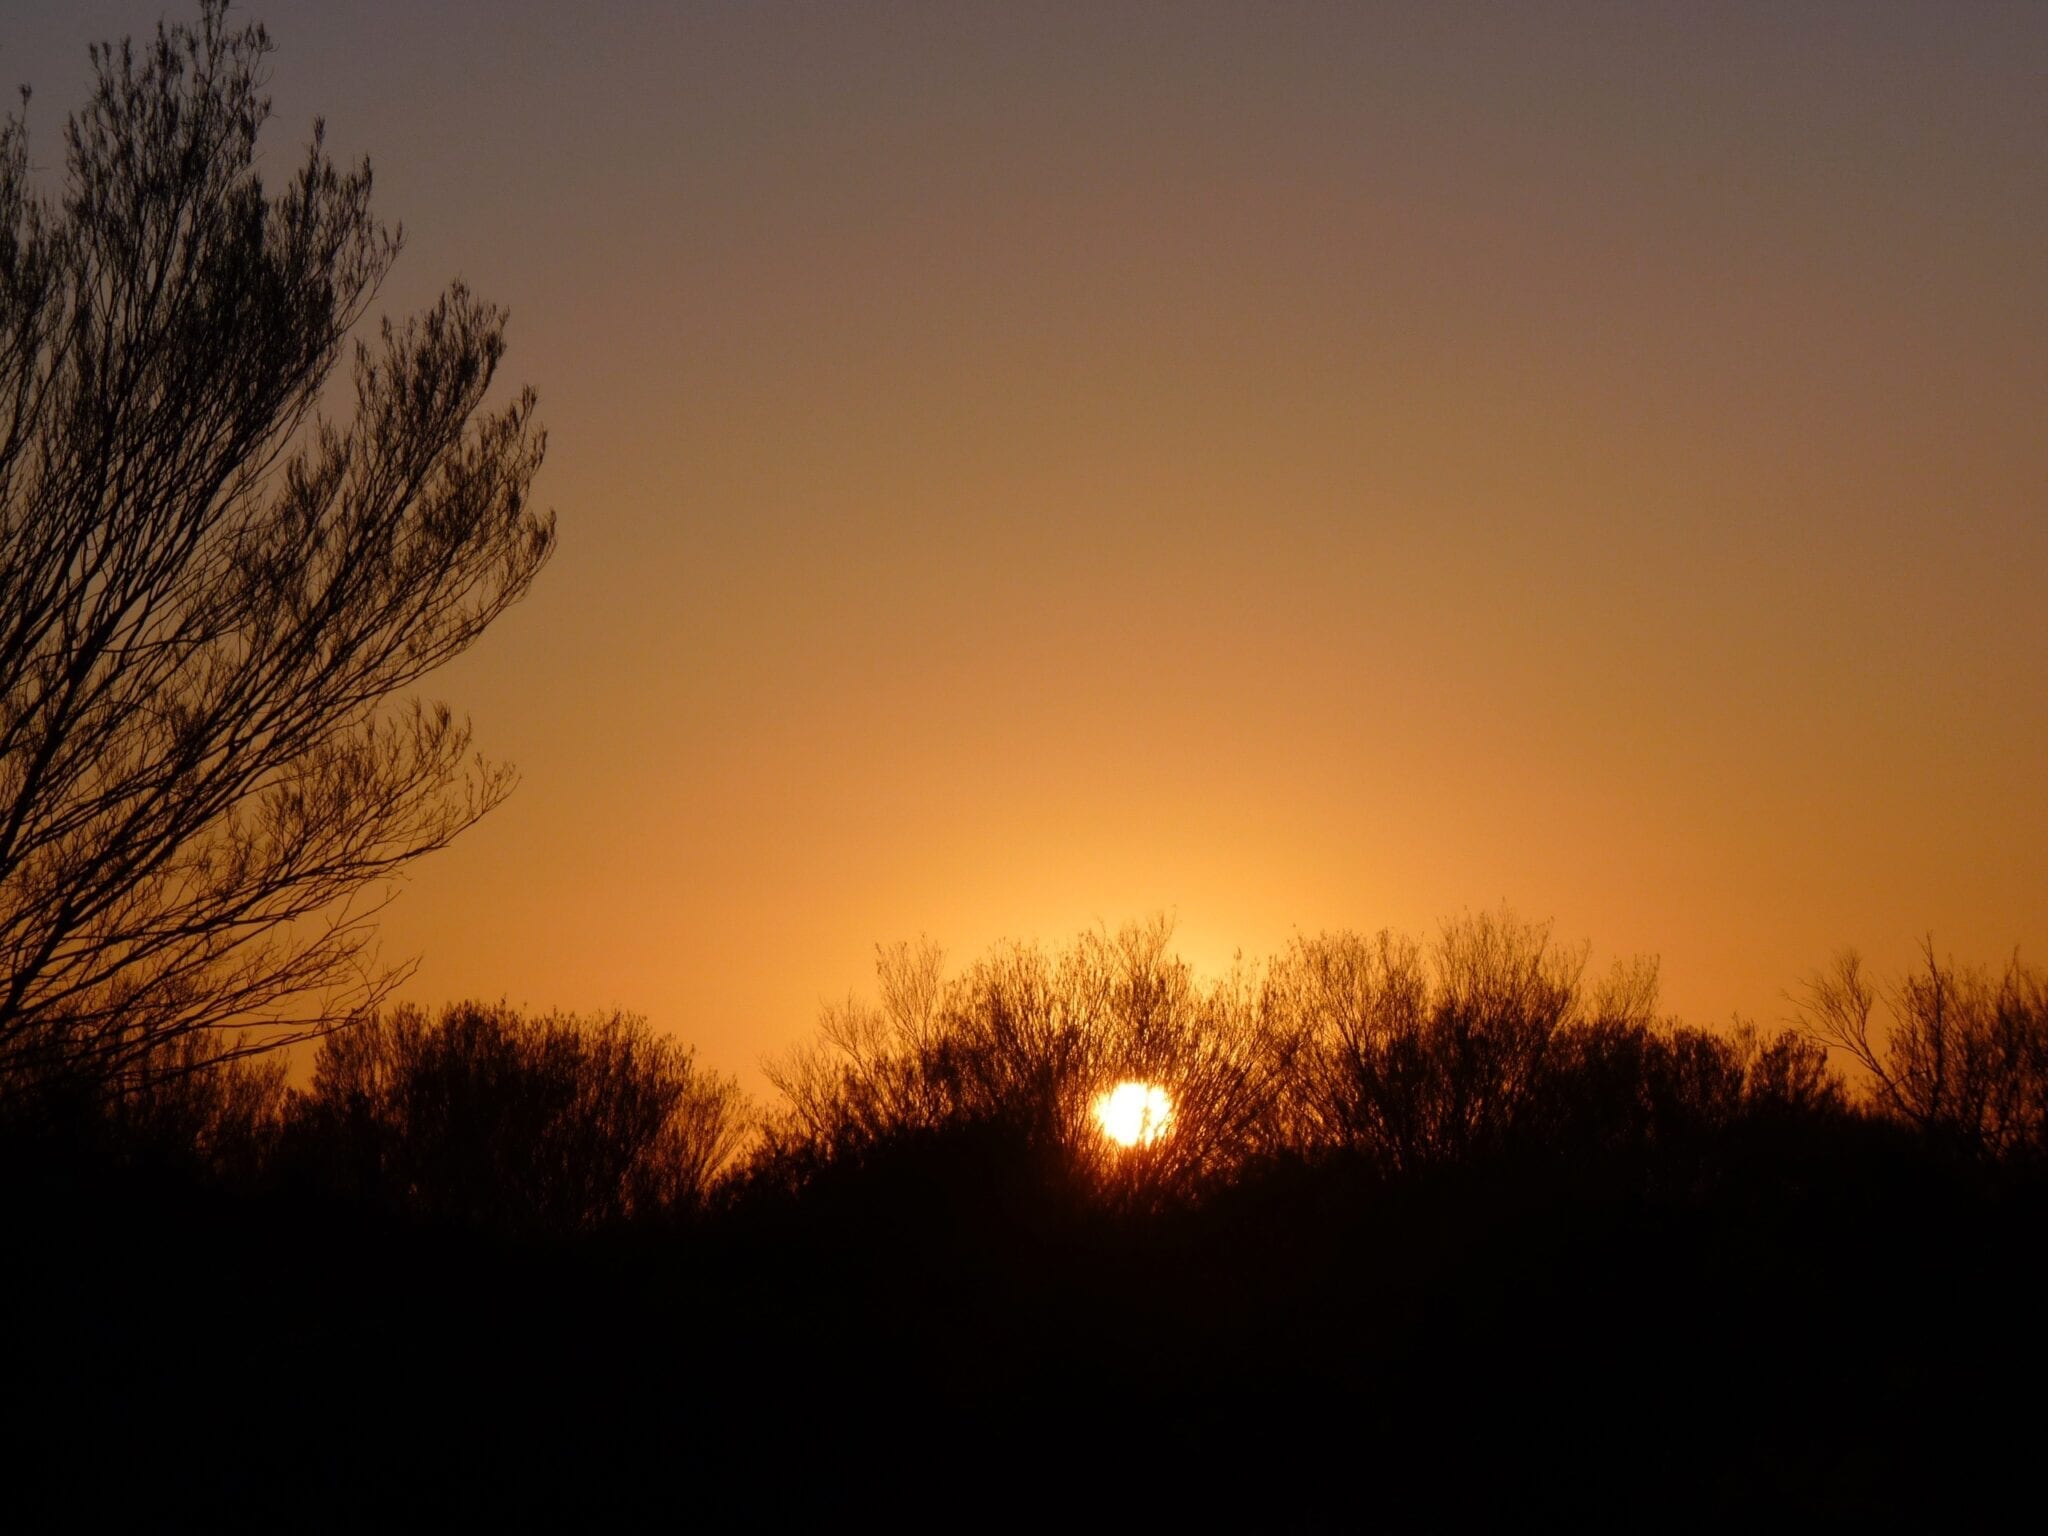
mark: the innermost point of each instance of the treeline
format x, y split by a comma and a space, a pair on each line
1488, 1046
1435, 1230
1394, 1057
477, 1117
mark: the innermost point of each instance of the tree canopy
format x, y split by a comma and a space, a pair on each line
217, 584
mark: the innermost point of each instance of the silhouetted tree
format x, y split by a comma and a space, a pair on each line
1030, 1040
178, 1107
485, 1117
182, 1101
1415, 1059
210, 592
1491, 1043
1964, 1058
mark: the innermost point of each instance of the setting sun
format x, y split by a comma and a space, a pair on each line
1134, 1114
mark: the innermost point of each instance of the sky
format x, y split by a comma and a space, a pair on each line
1287, 466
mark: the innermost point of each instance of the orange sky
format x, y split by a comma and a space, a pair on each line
1291, 466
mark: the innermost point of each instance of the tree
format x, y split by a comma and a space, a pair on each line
1965, 1058
1417, 1058
1025, 1043
214, 594
1491, 1045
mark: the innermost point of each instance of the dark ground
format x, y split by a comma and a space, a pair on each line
942, 1340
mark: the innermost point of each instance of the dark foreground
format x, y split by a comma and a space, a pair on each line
1849, 1332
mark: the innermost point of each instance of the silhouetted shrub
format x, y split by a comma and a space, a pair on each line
486, 1118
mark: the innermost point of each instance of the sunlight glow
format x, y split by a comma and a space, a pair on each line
1134, 1114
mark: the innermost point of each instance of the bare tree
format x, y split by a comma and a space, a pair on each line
1417, 1056
1963, 1057
213, 593
1488, 1047
1030, 1040
1491, 1042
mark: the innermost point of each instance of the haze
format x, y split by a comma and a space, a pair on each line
1289, 466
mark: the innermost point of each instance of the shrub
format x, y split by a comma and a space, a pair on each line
484, 1117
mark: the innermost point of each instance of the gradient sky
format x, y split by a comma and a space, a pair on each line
1292, 466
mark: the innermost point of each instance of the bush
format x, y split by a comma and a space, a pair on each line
483, 1117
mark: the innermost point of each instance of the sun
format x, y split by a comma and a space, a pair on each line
1134, 1114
